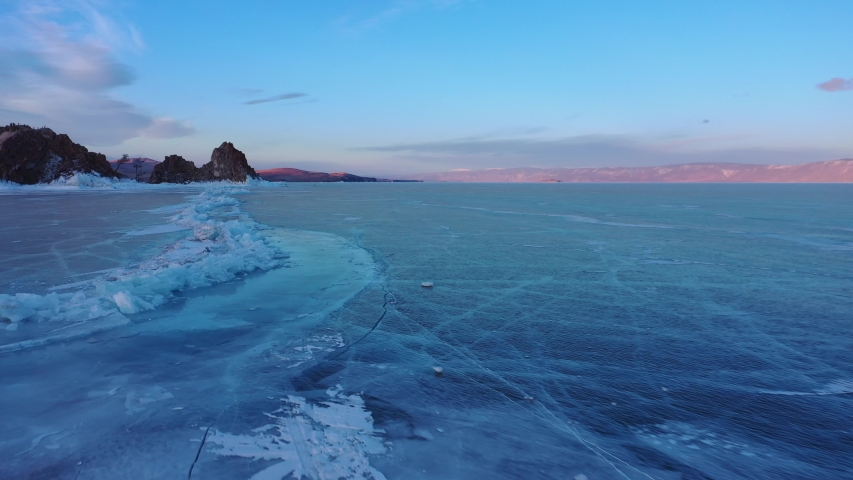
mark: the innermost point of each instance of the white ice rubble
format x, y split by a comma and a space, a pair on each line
87, 181
224, 244
330, 439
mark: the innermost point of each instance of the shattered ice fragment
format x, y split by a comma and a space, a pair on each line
438, 370
580, 476
127, 303
426, 284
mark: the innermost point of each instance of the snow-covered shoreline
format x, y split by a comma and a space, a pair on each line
85, 181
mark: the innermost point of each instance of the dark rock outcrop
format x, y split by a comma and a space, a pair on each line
174, 169
226, 163
29, 156
296, 175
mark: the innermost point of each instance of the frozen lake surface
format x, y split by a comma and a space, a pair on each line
277, 332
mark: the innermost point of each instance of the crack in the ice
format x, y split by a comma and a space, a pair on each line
557, 422
198, 453
375, 325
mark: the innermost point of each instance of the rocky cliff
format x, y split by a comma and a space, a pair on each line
30, 156
226, 163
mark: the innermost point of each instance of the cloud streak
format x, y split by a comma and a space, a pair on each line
392, 12
581, 151
276, 98
836, 84
167, 128
62, 74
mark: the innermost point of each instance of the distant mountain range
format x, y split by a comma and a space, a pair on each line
836, 171
297, 175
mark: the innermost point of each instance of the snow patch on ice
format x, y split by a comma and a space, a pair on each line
138, 400
224, 243
674, 437
329, 439
836, 387
296, 355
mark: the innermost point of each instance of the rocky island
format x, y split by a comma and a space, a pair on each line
226, 163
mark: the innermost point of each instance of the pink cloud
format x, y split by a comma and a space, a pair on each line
836, 84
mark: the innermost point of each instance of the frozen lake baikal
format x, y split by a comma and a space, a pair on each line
271, 332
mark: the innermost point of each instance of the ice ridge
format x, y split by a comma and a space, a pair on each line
224, 243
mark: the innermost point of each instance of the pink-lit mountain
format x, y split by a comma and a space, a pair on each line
836, 171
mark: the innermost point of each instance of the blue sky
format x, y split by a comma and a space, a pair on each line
408, 86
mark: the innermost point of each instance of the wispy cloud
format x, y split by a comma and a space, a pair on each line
167, 128
276, 98
61, 74
581, 151
836, 84
354, 24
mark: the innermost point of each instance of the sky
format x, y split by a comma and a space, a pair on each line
395, 87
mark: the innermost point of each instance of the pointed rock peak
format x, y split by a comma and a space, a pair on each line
228, 163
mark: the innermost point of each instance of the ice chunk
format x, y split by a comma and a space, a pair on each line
127, 303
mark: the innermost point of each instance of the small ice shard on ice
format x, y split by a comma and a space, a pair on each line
438, 371
528, 398
426, 284
423, 434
